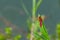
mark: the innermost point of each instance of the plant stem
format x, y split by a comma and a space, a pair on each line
33, 18
34, 8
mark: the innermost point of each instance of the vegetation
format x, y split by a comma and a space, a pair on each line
37, 29
8, 35
38, 32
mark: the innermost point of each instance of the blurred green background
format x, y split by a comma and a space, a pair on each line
12, 10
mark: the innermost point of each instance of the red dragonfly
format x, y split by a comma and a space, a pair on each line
40, 21
41, 18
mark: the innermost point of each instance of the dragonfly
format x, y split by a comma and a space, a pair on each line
41, 19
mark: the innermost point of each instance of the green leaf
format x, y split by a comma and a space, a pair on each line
24, 7
44, 31
17, 37
38, 4
8, 30
2, 36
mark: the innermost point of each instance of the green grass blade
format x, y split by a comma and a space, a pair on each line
44, 31
25, 9
38, 3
